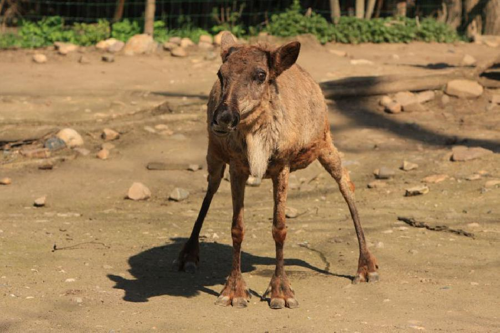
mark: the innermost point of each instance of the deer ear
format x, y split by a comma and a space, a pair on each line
228, 43
284, 57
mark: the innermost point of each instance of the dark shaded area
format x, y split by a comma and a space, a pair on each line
177, 94
154, 275
363, 115
435, 66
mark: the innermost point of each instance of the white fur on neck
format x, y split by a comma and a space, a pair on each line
257, 154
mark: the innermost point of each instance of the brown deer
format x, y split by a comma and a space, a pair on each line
267, 117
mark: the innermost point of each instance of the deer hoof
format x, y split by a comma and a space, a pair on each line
223, 301
277, 303
370, 277
239, 302
188, 266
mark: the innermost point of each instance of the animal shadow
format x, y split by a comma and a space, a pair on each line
155, 276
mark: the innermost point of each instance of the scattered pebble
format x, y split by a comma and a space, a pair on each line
408, 166
417, 190
405, 98
361, 62
179, 52
103, 154
71, 137
464, 89
492, 183
138, 191
462, 153
70, 280
179, 194
5, 181
473, 177
40, 58
108, 58
338, 53
84, 60
149, 129
291, 212
434, 179
468, 61
377, 184
109, 134
82, 151
473, 225
194, 167
54, 144
40, 202
384, 173
379, 245
425, 96
47, 165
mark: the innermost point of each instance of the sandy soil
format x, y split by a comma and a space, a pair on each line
111, 270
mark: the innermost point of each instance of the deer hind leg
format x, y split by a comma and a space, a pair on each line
367, 265
235, 291
280, 289
189, 256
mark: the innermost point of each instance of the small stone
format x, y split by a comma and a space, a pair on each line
408, 166
434, 179
70, 280
179, 137
389, 231
161, 127
379, 245
109, 134
103, 154
462, 153
47, 165
395, 57
84, 60
206, 39
138, 191
464, 89
108, 58
82, 151
78, 299
218, 38
71, 137
291, 212
179, 52
140, 44
179, 194
65, 48
361, 62
40, 58
495, 99
413, 252
40, 202
254, 181
215, 236
186, 42
383, 173
175, 40
473, 225
54, 144
194, 167
393, 107
338, 53
405, 98
117, 46
169, 46
425, 96
416, 190
473, 177
205, 46
474, 284
377, 184
492, 183
5, 181
468, 61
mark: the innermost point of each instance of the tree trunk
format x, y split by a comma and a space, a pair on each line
454, 13
492, 18
369, 9
380, 4
473, 22
360, 8
335, 10
149, 17
119, 10
401, 8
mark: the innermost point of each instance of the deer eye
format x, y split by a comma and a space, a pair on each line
261, 76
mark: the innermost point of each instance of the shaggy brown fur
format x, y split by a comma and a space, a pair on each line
266, 118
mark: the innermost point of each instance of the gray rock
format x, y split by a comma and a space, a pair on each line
40, 58
54, 144
71, 137
417, 190
40, 202
116, 46
138, 191
461, 153
179, 194
384, 173
464, 89
108, 58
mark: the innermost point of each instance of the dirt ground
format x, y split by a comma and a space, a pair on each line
111, 271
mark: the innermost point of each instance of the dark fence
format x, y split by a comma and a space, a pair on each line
199, 12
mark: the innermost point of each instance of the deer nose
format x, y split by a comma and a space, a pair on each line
227, 119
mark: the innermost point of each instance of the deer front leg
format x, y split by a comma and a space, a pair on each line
235, 291
367, 264
280, 289
189, 256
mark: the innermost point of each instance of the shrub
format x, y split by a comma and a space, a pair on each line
90, 34
125, 29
